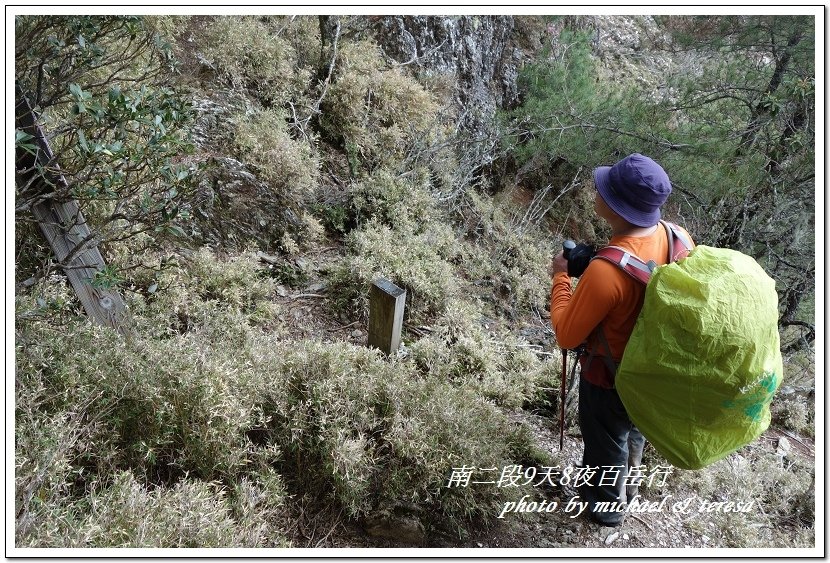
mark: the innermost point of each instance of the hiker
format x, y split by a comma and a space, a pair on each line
601, 313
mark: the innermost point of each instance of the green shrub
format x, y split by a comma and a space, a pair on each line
559, 87
103, 90
334, 217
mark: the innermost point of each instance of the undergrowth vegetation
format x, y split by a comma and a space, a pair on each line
320, 166
224, 426
778, 488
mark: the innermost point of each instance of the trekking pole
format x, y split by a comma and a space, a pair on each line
562, 397
567, 246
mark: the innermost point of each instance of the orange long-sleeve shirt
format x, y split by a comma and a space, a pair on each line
605, 294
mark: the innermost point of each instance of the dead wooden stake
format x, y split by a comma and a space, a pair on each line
386, 304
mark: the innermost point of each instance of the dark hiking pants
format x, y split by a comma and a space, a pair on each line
612, 446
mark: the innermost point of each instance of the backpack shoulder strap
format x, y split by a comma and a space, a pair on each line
679, 247
629, 263
679, 244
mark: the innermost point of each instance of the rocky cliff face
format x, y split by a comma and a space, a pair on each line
480, 54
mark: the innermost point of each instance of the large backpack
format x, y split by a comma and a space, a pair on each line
704, 360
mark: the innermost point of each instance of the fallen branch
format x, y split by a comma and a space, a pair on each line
787, 433
419, 330
643, 522
343, 327
268, 258
337, 523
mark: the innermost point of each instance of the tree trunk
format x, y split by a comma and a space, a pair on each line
761, 109
64, 227
329, 31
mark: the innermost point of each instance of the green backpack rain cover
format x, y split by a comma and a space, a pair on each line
704, 359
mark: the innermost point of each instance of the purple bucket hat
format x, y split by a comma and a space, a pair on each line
634, 188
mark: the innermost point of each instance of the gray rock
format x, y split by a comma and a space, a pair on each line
784, 447
605, 532
396, 524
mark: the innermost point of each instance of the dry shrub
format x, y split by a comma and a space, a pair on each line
393, 200
133, 442
169, 407
402, 237
166, 412
289, 167
420, 262
169, 395
780, 488
794, 413
504, 254
250, 53
220, 299
307, 235
378, 112
259, 198
369, 432
262, 120
499, 366
190, 514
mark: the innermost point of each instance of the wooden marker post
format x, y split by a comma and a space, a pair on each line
386, 304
